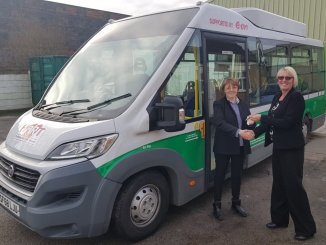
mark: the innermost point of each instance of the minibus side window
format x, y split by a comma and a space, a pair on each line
318, 69
184, 81
300, 60
271, 55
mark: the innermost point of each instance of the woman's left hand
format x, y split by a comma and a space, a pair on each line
254, 118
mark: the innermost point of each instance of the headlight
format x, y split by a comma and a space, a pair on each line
89, 148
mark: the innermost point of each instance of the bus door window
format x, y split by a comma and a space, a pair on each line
254, 54
224, 59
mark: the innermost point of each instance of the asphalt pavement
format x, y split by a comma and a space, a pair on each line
193, 223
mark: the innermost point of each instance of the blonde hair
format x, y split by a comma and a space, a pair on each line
290, 71
232, 81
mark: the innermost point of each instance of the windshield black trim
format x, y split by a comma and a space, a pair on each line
58, 118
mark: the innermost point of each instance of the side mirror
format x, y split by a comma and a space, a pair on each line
171, 114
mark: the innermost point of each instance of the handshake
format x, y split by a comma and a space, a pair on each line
249, 134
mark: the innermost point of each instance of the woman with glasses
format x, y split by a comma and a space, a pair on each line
283, 127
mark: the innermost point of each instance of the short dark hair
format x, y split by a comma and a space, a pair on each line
231, 81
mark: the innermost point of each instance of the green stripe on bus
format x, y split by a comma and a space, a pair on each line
190, 147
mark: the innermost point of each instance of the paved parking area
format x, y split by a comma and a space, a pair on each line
193, 223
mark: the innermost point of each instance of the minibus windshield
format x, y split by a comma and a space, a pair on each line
118, 60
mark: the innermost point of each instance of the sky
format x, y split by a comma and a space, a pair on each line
129, 7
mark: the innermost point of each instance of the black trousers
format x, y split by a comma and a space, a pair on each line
288, 194
222, 162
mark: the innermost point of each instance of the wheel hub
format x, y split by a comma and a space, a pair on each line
144, 205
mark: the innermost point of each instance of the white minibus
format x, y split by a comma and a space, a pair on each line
124, 130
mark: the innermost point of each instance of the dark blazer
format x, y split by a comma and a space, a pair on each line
226, 126
287, 122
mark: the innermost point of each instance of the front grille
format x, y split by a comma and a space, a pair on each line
13, 196
20, 176
73, 195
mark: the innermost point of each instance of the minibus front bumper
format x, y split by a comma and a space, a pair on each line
71, 201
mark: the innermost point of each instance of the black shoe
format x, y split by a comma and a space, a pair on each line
217, 212
272, 225
302, 237
239, 210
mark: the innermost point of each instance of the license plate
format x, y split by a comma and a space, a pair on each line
9, 204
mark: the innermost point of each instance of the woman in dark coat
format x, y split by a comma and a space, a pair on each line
283, 127
230, 144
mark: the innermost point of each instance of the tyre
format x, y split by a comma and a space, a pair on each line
141, 205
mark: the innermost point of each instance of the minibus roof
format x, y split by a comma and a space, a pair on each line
270, 21
247, 22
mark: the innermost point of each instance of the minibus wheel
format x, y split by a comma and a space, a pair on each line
141, 205
306, 129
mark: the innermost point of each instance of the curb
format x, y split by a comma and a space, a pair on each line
320, 134
320, 131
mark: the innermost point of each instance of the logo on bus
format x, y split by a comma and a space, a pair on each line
30, 132
11, 171
225, 23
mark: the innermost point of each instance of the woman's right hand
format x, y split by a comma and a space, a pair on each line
247, 134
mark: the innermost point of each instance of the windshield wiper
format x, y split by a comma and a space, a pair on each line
109, 101
61, 103
87, 109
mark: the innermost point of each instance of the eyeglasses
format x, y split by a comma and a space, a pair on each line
286, 78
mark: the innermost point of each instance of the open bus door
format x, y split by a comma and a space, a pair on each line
225, 56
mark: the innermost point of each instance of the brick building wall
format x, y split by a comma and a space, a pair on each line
30, 28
